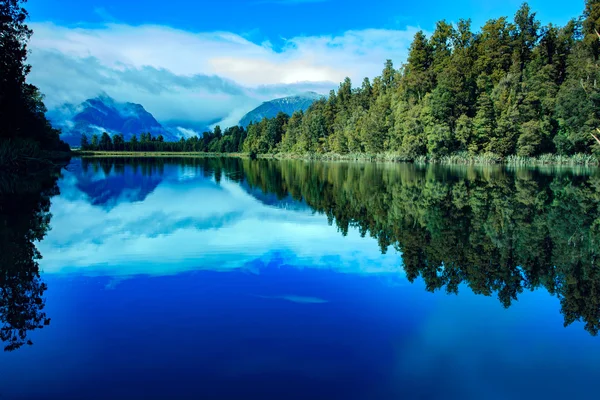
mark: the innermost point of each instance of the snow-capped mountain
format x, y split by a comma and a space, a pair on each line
104, 114
288, 105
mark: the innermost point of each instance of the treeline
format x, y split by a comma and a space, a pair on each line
29, 171
229, 141
25, 133
490, 230
513, 88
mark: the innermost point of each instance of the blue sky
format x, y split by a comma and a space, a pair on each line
193, 62
272, 19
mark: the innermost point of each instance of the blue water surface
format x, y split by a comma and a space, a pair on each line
173, 285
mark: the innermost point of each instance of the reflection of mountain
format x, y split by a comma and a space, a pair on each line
287, 105
114, 189
107, 184
104, 114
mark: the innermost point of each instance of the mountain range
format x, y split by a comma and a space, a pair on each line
288, 105
104, 114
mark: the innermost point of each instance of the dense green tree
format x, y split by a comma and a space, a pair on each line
23, 125
105, 141
388, 76
14, 35
365, 95
591, 25
85, 144
525, 35
118, 142
441, 46
417, 77
133, 143
484, 124
513, 88
292, 132
95, 141
464, 132
493, 49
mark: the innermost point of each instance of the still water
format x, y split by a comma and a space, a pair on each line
239, 279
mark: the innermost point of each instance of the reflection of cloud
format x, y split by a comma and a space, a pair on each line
196, 224
297, 299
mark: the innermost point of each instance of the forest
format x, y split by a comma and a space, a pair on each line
31, 158
513, 88
26, 136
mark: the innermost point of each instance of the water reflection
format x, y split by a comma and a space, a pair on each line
500, 232
496, 231
24, 220
194, 216
315, 301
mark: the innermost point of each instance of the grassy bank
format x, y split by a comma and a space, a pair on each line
85, 153
459, 158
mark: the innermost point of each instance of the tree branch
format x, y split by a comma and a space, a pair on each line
595, 137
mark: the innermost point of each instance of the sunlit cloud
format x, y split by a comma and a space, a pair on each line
200, 76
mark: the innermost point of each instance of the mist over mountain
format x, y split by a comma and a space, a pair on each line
287, 105
104, 114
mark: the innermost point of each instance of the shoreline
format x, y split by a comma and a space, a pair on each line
150, 154
582, 160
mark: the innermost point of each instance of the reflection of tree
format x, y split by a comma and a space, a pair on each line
24, 219
498, 232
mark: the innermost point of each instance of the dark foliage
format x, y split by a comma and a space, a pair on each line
22, 112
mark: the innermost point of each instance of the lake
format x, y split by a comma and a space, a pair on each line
208, 278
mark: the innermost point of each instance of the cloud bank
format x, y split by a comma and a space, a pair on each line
199, 76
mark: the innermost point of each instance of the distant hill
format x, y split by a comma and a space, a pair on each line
104, 114
288, 105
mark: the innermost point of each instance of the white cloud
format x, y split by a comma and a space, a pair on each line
180, 75
187, 133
